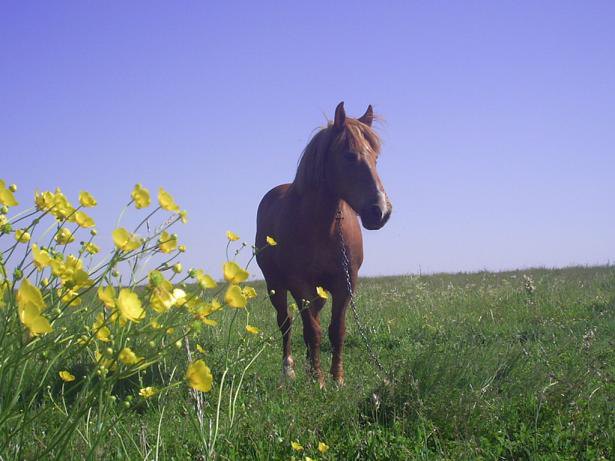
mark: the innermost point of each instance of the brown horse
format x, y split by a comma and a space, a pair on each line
336, 179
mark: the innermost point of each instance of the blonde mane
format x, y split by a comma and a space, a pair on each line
356, 136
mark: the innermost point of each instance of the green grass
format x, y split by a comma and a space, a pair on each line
481, 369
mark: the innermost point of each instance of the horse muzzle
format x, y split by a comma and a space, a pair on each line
376, 215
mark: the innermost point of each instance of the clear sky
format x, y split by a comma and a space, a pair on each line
499, 117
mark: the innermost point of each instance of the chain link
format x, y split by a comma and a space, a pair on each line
362, 330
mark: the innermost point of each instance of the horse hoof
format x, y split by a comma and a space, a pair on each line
288, 369
339, 381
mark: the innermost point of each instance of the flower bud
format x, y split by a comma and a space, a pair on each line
177, 268
13, 187
4, 209
115, 273
182, 248
93, 232
17, 274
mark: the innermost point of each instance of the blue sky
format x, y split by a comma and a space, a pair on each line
499, 146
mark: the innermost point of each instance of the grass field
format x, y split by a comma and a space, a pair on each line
484, 366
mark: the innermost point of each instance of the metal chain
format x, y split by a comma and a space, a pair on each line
362, 330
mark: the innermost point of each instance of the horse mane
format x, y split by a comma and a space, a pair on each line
355, 136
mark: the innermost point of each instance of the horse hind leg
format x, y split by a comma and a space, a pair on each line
279, 300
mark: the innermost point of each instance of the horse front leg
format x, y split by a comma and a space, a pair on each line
337, 333
310, 315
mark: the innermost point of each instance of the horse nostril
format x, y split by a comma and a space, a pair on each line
376, 213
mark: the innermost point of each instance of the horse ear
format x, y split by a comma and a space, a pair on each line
340, 116
368, 116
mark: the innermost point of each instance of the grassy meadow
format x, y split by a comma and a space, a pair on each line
510, 365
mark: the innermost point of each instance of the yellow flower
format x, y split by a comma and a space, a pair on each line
199, 376
6, 195
148, 392
253, 330
183, 215
107, 296
179, 296
234, 297
307, 458
206, 281
232, 236
167, 242
43, 201
323, 447
70, 297
249, 292
86, 200
126, 241
128, 357
271, 241
22, 236
102, 332
322, 293
296, 446
141, 196
129, 305
66, 376
91, 248
81, 218
64, 236
61, 207
233, 273
40, 257
30, 306
166, 200
200, 348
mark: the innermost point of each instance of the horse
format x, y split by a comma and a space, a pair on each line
310, 219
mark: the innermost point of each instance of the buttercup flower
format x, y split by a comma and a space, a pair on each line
126, 241
167, 242
40, 257
252, 329
249, 292
232, 236
91, 248
199, 376
66, 376
234, 297
148, 392
30, 305
166, 201
233, 273
102, 332
107, 296
64, 236
322, 293
86, 200
129, 306
141, 197
81, 218
128, 357
296, 446
206, 281
6, 195
323, 447
271, 241
22, 236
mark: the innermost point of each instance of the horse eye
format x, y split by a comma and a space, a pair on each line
351, 156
